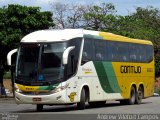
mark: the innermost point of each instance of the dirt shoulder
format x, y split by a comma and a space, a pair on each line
8, 84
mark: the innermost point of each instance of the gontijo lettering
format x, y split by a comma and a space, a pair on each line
130, 69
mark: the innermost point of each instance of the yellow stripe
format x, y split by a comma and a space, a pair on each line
114, 37
29, 88
88, 72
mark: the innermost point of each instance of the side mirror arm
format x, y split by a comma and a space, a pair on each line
66, 53
9, 56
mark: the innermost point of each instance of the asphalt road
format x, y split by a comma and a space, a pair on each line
9, 109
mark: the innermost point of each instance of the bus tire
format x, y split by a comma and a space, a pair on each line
39, 107
139, 96
132, 98
81, 104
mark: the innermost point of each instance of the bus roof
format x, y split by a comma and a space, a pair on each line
52, 35
67, 34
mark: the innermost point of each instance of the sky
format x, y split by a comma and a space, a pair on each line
123, 7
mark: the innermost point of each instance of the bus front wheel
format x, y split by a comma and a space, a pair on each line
81, 104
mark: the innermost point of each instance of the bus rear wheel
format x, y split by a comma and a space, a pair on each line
81, 104
132, 98
139, 96
39, 107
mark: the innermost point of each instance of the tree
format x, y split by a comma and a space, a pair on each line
17, 21
68, 16
60, 14
76, 19
83, 16
97, 17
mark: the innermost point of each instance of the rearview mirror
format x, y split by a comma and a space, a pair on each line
66, 53
9, 56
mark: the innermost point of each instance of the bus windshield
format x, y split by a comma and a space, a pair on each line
51, 61
40, 62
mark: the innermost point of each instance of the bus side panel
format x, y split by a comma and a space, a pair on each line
135, 73
88, 76
108, 80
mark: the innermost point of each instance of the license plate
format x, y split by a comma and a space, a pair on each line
37, 99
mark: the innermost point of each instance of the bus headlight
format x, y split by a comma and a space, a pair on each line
58, 89
17, 89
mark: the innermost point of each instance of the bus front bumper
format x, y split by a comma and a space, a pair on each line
56, 98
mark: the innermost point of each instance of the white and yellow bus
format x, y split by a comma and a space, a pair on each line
77, 66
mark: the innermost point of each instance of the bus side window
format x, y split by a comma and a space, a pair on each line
99, 56
141, 54
84, 57
133, 52
88, 51
84, 54
100, 52
109, 51
149, 51
115, 51
124, 58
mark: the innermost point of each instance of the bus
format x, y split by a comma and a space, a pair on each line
77, 66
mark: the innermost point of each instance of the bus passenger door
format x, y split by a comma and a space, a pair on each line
70, 74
